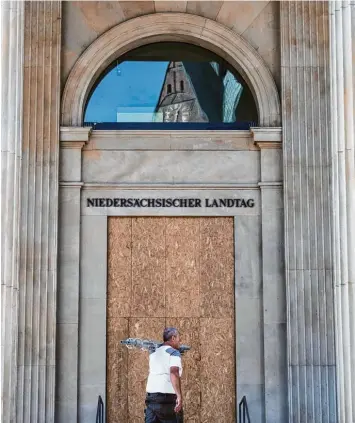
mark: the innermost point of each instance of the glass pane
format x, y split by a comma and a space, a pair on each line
168, 83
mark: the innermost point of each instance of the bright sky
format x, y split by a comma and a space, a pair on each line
130, 86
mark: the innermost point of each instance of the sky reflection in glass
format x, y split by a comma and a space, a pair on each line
129, 87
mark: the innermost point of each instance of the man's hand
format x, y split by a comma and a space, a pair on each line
178, 406
175, 380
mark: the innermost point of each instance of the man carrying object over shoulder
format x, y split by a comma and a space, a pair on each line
164, 398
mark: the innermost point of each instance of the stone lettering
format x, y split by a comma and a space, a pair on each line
170, 202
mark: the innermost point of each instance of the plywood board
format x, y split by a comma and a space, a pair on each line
117, 371
119, 281
148, 267
182, 267
217, 370
172, 272
217, 267
138, 363
189, 329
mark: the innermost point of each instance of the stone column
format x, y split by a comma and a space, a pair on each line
72, 141
342, 72
39, 213
273, 271
308, 200
12, 31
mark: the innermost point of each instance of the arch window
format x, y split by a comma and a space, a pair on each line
170, 84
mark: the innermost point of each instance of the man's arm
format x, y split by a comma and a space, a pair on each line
175, 380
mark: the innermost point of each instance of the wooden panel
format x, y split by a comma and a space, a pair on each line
217, 267
119, 281
217, 370
191, 381
117, 371
182, 267
175, 272
148, 267
138, 363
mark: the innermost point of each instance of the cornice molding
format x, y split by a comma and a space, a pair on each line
267, 138
74, 137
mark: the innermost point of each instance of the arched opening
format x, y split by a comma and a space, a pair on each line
170, 84
175, 27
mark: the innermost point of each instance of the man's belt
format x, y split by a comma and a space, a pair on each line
160, 398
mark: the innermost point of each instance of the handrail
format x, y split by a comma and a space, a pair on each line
244, 411
100, 415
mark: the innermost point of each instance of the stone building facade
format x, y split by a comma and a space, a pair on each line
271, 277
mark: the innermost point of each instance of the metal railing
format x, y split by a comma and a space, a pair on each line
100, 413
243, 411
244, 416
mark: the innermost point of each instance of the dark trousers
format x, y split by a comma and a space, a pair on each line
160, 409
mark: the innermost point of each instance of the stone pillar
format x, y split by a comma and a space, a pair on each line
305, 62
342, 55
39, 213
72, 141
273, 271
12, 31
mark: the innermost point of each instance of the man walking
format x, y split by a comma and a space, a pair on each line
164, 399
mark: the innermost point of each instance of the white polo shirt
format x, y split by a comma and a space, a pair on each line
160, 362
